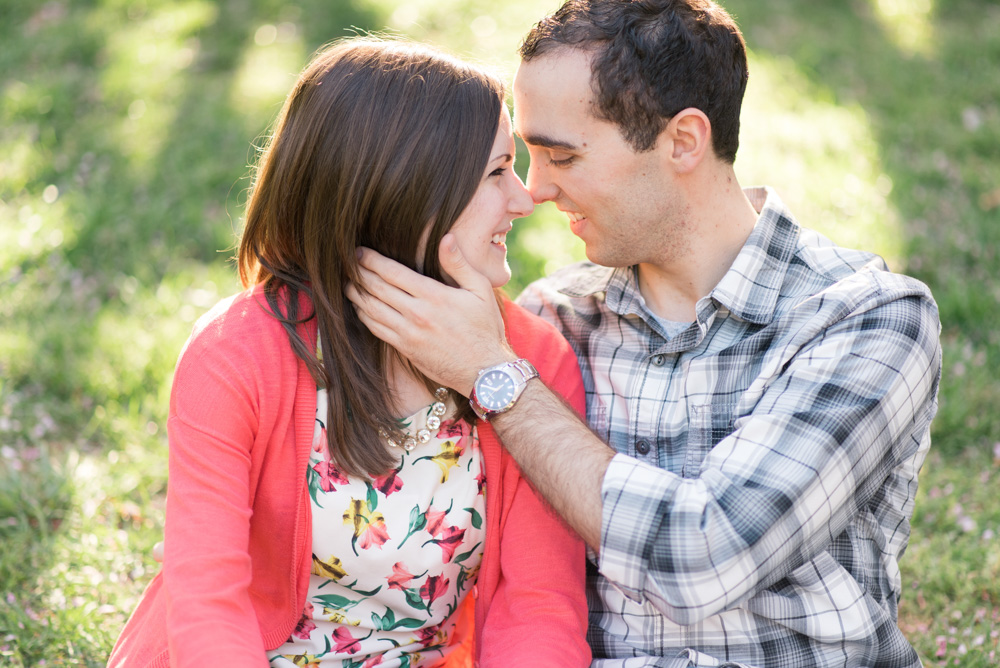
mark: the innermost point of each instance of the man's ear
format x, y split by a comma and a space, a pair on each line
690, 136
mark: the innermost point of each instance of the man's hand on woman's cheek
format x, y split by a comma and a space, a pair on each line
448, 333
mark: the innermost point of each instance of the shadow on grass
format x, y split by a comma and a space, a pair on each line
135, 215
131, 217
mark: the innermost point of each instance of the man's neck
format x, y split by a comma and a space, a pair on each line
671, 288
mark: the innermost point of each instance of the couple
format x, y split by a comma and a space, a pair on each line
766, 395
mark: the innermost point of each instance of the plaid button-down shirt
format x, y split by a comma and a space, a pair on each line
768, 453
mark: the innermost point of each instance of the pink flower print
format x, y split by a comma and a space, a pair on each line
435, 587
435, 521
373, 661
390, 482
328, 475
320, 443
481, 481
426, 634
400, 577
369, 526
456, 430
345, 642
451, 538
305, 625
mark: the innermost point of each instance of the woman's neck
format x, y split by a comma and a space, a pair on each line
407, 392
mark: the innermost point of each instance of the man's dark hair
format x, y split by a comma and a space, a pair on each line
652, 59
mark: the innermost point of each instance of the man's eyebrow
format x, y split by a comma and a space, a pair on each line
547, 142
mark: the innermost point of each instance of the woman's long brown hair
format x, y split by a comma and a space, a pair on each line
377, 140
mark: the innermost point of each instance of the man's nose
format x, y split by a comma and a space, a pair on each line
539, 183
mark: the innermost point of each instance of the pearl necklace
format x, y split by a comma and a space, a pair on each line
432, 421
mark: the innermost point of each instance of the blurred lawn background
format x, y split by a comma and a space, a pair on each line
126, 129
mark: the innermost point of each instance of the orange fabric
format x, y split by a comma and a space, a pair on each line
238, 530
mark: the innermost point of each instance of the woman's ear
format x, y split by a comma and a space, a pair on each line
689, 134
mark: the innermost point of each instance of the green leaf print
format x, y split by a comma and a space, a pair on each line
465, 555
418, 521
388, 622
336, 602
313, 481
372, 497
366, 594
413, 599
477, 519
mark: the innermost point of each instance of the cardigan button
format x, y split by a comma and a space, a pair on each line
475, 591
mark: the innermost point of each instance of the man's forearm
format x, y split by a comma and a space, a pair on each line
559, 454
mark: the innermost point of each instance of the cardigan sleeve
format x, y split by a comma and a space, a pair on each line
538, 614
207, 569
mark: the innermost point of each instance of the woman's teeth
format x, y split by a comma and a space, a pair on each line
500, 239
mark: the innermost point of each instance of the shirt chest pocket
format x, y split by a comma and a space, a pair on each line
707, 425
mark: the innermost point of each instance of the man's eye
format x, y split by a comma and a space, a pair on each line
560, 162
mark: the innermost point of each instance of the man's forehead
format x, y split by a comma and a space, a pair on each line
560, 79
544, 115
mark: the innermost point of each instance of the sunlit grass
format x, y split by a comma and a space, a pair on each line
821, 157
268, 68
908, 24
146, 57
471, 28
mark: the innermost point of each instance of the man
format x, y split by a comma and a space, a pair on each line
766, 395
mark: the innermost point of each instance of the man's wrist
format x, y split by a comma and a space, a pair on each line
498, 388
485, 362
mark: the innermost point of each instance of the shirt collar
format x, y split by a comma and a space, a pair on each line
751, 287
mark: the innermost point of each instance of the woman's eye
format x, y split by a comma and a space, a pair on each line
498, 171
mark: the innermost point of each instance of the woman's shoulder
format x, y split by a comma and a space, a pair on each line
231, 317
239, 325
525, 327
533, 337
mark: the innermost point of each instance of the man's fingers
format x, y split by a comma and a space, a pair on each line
376, 285
454, 264
377, 303
389, 271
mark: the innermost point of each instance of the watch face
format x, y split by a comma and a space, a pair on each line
494, 390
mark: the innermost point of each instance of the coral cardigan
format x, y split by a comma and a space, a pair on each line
238, 533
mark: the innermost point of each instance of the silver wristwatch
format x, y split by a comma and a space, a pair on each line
497, 388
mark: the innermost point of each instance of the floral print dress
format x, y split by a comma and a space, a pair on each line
392, 558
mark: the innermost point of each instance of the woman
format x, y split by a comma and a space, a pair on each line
327, 505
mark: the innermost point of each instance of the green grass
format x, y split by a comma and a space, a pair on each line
126, 128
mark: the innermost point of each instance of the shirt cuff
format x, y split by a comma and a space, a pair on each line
632, 494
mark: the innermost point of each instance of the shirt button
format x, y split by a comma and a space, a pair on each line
642, 447
659, 360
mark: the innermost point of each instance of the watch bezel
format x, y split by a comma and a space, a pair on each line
518, 373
